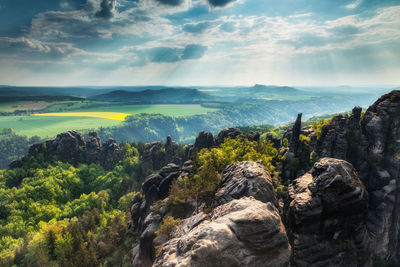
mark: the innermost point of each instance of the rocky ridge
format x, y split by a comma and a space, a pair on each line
71, 147
341, 211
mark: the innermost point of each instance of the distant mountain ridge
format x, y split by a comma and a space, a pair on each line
274, 89
161, 96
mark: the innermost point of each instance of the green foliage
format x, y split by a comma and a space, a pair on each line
294, 164
305, 139
168, 226
314, 157
125, 202
13, 146
285, 142
209, 165
54, 213
318, 126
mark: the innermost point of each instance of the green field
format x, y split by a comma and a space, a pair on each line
170, 110
51, 126
48, 126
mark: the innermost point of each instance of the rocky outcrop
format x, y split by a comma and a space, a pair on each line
243, 232
172, 152
157, 154
325, 215
253, 136
155, 187
294, 141
232, 133
372, 144
153, 157
71, 147
93, 147
297, 154
204, 140
245, 179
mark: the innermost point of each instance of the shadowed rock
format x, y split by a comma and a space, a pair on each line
232, 133
325, 215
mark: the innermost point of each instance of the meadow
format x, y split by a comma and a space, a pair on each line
169, 110
92, 118
29, 105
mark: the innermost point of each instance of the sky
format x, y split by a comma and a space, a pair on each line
199, 42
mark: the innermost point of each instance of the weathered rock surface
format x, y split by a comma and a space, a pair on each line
253, 136
71, 147
245, 179
156, 155
204, 140
155, 187
297, 154
372, 144
243, 232
325, 215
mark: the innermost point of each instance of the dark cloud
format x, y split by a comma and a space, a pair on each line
220, 3
197, 27
170, 54
194, 51
106, 9
170, 2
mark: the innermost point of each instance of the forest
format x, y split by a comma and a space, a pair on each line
55, 213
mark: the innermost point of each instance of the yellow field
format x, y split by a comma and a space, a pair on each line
104, 115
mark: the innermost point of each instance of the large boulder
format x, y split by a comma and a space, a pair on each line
245, 179
243, 232
325, 215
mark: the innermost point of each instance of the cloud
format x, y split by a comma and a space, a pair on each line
170, 2
106, 9
200, 27
228, 27
220, 3
354, 4
34, 49
193, 51
164, 54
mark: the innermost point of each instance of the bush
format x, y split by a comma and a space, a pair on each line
168, 226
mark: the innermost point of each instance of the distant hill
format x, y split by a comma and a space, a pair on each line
15, 98
274, 89
80, 91
163, 96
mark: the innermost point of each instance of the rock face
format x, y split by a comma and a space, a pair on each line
372, 144
71, 147
245, 179
155, 187
204, 140
228, 132
156, 155
243, 232
325, 215
245, 222
297, 154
